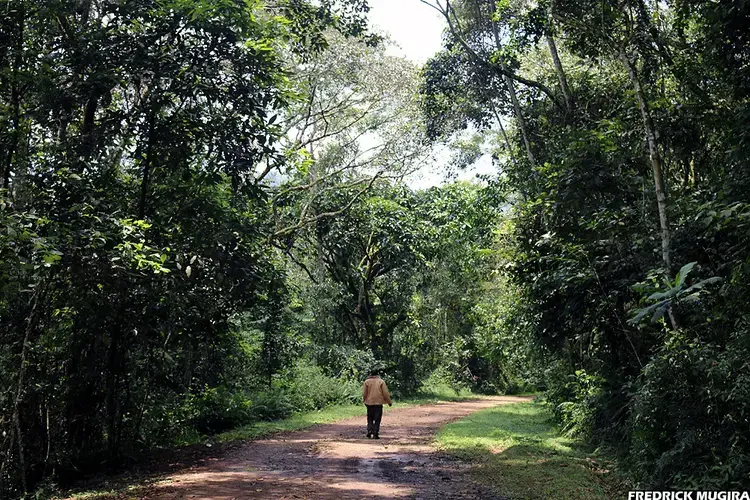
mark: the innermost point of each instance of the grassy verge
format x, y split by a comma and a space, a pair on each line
518, 452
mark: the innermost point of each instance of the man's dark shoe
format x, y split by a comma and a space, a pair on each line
376, 436
369, 435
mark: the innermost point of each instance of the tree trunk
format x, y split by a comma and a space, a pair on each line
567, 95
147, 168
88, 115
655, 157
520, 120
505, 135
372, 333
560, 72
19, 389
513, 97
15, 100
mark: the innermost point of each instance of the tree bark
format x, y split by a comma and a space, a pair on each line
145, 181
15, 100
655, 158
513, 97
567, 95
19, 389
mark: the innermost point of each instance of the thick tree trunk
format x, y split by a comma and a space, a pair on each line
655, 158
372, 333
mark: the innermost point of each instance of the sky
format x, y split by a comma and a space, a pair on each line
415, 27
417, 31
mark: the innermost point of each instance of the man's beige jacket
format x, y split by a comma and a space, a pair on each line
375, 392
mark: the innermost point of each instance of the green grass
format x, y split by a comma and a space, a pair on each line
518, 452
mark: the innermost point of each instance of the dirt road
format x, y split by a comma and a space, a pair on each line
337, 461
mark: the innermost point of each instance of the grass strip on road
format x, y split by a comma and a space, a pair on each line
517, 451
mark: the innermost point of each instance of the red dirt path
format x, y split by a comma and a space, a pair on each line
336, 461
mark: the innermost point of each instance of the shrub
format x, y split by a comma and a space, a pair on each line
308, 388
272, 405
441, 381
573, 399
690, 417
218, 409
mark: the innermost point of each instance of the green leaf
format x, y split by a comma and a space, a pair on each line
51, 258
683, 274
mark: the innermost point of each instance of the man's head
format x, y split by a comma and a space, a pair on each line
374, 372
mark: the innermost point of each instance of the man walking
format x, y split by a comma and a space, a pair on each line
375, 395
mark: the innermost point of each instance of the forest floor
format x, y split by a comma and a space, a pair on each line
337, 461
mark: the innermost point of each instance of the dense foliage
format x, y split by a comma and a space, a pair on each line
621, 129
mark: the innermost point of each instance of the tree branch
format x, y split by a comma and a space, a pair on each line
304, 222
447, 12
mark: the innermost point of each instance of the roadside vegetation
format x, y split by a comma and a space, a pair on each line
621, 138
518, 451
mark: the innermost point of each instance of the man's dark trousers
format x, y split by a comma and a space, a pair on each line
374, 415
